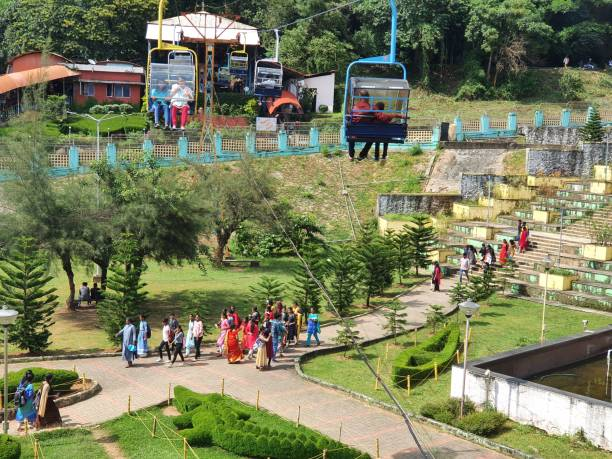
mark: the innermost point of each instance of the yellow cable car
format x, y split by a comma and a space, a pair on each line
167, 64
239, 62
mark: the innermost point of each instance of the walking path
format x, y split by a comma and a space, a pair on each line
282, 390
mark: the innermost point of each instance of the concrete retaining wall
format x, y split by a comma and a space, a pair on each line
555, 135
565, 163
429, 203
473, 186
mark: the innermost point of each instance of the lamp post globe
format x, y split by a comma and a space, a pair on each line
7, 317
469, 308
548, 262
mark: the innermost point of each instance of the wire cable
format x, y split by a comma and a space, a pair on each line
346, 326
308, 18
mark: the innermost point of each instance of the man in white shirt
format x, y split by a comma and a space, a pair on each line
180, 96
164, 342
198, 334
84, 294
464, 268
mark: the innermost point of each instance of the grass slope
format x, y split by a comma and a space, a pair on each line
503, 324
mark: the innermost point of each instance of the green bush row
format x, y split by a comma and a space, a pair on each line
9, 447
418, 362
484, 423
216, 420
61, 378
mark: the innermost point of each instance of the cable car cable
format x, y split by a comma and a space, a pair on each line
320, 13
354, 343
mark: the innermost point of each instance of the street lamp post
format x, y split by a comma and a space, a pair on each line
7, 317
547, 264
469, 308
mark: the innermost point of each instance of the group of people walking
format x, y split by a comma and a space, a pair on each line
264, 337
37, 408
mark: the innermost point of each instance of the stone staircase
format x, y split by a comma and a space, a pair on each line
585, 276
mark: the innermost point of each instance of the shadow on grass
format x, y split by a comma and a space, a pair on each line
491, 314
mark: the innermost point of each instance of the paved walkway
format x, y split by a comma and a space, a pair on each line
282, 390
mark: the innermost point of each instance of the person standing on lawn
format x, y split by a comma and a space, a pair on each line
313, 328
144, 333
165, 342
198, 334
128, 343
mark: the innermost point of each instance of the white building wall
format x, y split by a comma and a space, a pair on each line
324, 85
551, 411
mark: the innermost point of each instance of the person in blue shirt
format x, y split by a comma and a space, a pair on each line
25, 400
160, 101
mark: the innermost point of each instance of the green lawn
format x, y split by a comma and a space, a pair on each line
502, 324
132, 122
181, 290
64, 444
133, 434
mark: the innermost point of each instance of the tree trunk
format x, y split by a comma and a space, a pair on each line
223, 238
489, 65
103, 276
67, 267
368, 299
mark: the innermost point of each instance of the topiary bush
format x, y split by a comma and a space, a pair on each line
447, 411
418, 361
216, 420
9, 447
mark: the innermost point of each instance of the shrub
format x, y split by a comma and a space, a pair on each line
419, 361
519, 86
9, 447
415, 150
323, 108
483, 423
446, 411
472, 90
54, 108
61, 378
570, 86
125, 108
97, 110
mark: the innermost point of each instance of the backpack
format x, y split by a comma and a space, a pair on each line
20, 399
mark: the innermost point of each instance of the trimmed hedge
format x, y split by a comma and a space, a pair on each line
62, 379
9, 447
484, 423
418, 361
213, 419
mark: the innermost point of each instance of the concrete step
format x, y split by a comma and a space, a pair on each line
593, 288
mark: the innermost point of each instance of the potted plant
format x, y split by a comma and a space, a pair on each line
601, 233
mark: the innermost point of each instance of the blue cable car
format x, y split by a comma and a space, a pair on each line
376, 109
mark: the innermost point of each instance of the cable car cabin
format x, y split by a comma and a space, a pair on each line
239, 63
377, 110
165, 76
223, 77
268, 79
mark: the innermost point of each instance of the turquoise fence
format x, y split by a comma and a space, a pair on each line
315, 140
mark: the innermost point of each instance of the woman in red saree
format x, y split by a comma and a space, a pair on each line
232, 345
503, 253
523, 242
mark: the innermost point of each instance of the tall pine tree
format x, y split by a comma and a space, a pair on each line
124, 296
397, 323
343, 278
267, 289
375, 256
423, 239
306, 292
400, 243
592, 131
23, 287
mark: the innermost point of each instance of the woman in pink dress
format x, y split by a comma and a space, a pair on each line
223, 326
251, 332
524, 241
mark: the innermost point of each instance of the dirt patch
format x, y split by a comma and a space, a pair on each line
170, 411
108, 442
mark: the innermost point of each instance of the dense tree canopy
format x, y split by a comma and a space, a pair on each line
499, 37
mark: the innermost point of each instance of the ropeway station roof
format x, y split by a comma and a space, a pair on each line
203, 27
